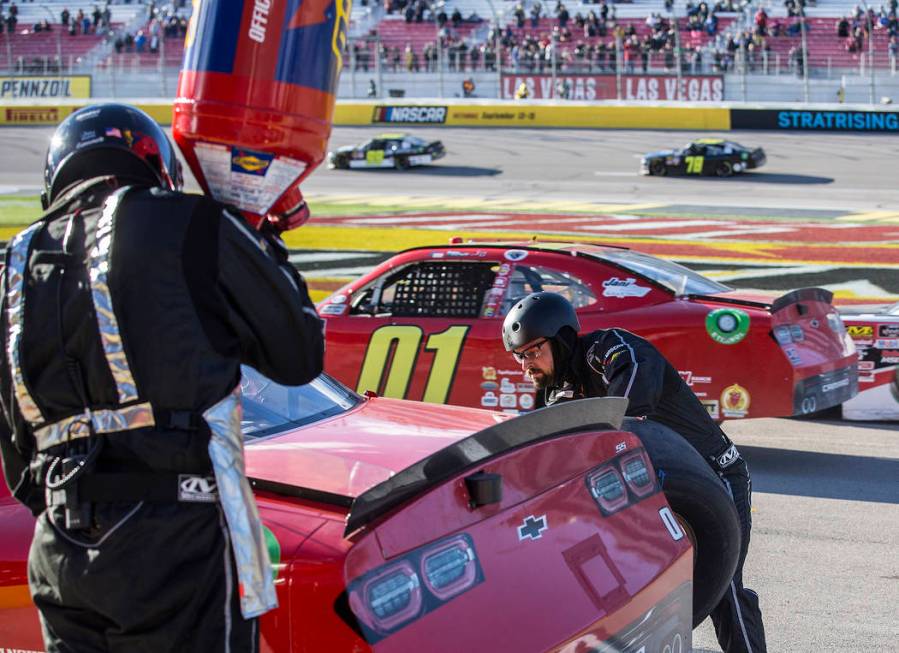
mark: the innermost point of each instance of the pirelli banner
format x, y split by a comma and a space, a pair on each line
816, 120
45, 88
438, 113
649, 88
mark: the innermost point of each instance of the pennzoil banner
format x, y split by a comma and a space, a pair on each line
45, 88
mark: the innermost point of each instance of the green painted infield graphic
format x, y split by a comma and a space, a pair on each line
19, 210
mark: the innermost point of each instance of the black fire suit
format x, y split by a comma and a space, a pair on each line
126, 315
615, 362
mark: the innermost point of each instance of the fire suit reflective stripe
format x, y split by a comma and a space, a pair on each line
254, 572
630, 383
15, 310
128, 418
106, 320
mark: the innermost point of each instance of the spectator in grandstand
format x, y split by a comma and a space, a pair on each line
441, 17
562, 15
64, 16
536, 9
11, 21
843, 28
518, 12
140, 41
761, 22
456, 18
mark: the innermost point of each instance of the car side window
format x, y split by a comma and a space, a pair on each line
711, 150
453, 289
527, 279
376, 144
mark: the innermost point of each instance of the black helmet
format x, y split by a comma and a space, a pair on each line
539, 315
109, 139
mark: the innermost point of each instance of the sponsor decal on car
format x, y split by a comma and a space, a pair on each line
508, 401
690, 379
333, 309
515, 255
489, 400
793, 356
889, 356
860, 331
525, 401
727, 326
490, 385
488, 373
338, 299
887, 344
505, 385
888, 331
423, 115
735, 401
712, 407
621, 288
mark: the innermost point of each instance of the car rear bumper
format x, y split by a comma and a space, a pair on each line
822, 391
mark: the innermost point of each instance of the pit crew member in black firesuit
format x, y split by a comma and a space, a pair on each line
127, 310
541, 332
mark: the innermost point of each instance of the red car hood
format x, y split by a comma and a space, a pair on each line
349, 454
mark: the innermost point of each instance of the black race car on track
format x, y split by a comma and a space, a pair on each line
706, 156
398, 151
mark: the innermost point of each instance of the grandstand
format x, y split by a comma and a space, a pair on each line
133, 52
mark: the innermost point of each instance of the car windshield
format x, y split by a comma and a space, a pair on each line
414, 141
270, 407
677, 278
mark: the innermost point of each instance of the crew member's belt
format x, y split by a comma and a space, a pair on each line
111, 420
131, 488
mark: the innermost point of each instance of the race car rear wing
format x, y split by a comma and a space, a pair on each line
575, 416
802, 295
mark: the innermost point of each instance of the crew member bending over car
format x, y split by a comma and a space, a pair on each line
127, 310
541, 332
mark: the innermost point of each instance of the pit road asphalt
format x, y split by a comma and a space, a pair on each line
824, 556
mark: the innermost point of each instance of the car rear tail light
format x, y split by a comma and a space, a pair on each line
389, 598
836, 324
398, 593
622, 482
782, 334
449, 569
608, 489
636, 473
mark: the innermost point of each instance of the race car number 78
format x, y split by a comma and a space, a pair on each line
446, 345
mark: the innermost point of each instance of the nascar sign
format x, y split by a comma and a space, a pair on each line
690, 88
410, 115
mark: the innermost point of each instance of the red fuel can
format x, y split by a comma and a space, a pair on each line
256, 98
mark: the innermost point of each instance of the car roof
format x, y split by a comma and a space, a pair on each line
596, 249
709, 141
392, 135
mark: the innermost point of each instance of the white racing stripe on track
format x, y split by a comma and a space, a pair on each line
658, 224
321, 257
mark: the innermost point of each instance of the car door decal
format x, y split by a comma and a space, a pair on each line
374, 157
694, 164
405, 340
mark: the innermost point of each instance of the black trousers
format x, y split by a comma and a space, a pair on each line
737, 618
154, 578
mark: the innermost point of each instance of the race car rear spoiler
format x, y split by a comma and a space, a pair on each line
802, 295
571, 417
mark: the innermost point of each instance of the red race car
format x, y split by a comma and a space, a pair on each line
397, 526
425, 325
876, 337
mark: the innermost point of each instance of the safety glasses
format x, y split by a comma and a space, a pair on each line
529, 354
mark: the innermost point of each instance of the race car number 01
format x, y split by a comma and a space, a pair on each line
694, 164
446, 345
